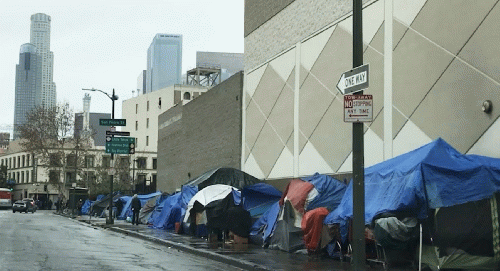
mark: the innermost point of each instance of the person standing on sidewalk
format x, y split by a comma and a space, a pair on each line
136, 208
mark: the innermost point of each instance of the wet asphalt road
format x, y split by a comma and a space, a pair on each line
44, 241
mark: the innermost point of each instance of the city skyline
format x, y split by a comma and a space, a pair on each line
104, 45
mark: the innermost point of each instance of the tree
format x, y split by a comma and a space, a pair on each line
122, 181
48, 136
3, 176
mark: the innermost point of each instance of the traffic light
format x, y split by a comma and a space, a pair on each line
131, 148
45, 188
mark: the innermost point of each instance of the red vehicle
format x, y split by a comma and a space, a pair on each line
5, 198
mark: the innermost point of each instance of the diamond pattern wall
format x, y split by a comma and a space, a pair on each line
436, 93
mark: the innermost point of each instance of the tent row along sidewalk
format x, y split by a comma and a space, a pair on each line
431, 208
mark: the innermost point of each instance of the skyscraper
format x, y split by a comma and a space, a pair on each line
34, 73
40, 37
164, 62
141, 83
28, 84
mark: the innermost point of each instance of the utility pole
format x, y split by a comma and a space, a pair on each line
358, 187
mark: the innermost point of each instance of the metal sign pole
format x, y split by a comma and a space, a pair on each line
110, 219
358, 223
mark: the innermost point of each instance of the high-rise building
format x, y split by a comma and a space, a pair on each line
141, 83
28, 84
40, 38
164, 62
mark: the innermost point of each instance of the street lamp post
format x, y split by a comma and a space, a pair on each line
113, 98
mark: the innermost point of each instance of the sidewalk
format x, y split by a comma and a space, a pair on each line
244, 256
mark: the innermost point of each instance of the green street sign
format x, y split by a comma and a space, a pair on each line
120, 145
112, 122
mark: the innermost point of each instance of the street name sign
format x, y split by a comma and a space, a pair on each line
354, 80
358, 108
119, 145
117, 133
112, 122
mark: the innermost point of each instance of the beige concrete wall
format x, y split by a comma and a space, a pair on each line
135, 110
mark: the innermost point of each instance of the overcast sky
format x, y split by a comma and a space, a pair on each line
103, 43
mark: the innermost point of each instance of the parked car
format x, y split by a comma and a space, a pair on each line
25, 205
19, 206
32, 207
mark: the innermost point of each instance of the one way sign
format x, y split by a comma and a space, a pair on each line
354, 80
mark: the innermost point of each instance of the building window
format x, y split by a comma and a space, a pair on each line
187, 96
141, 163
147, 140
124, 177
124, 162
54, 160
54, 176
89, 161
106, 161
147, 123
136, 125
136, 108
155, 163
71, 160
147, 106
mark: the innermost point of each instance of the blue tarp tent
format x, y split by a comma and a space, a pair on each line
257, 198
432, 176
86, 207
127, 210
173, 208
262, 229
158, 208
330, 191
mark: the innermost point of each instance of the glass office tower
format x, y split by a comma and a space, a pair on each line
28, 84
40, 38
164, 62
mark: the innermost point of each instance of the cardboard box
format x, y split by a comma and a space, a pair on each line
238, 239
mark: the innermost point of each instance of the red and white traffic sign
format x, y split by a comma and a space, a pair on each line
358, 108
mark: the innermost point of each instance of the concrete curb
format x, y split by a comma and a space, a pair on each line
243, 264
